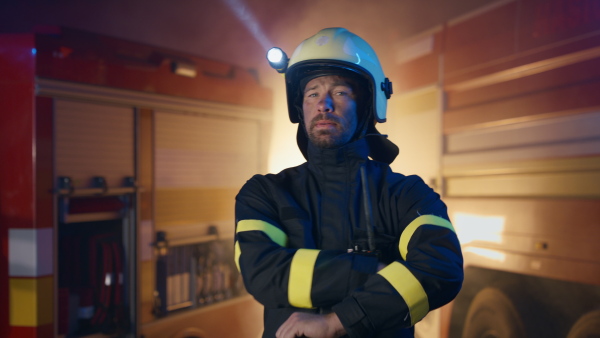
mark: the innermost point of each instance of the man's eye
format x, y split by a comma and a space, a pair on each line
311, 95
342, 91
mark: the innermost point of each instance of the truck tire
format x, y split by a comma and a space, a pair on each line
190, 333
493, 314
587, 326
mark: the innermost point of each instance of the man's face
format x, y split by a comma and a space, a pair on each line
329, 108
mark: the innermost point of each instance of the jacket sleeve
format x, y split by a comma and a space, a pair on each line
427, 275
281, 276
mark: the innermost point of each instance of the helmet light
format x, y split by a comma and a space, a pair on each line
277, 59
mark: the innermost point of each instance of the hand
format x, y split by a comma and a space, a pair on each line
302, 324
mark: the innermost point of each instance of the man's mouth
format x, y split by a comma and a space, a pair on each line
324, 124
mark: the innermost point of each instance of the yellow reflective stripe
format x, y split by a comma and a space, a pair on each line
409, 288
275, 234
237, 252
301, 276
415, 224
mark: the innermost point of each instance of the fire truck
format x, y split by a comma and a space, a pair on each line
119, 163
119, 166
509, 96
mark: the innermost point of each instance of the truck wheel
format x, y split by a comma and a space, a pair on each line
492, 314
190, 333
587, 326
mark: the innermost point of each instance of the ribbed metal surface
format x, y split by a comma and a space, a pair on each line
555, 157
200, 151
201, 162
94, 140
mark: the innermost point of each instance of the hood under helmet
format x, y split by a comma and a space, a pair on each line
337, 51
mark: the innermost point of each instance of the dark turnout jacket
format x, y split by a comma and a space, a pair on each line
294, 230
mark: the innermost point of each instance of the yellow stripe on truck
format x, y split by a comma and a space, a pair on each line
301, 276
30, 301
409, 288
274, 233
415, 224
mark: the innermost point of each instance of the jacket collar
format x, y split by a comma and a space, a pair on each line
353, 152
380, 148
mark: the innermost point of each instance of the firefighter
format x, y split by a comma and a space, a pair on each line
341, 245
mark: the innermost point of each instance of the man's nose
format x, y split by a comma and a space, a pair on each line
325, 105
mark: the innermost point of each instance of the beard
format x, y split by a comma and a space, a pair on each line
330, 138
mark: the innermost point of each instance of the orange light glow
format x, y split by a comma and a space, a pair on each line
486, 253
472, 227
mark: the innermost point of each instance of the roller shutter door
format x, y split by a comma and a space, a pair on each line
94, 140
201, 163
